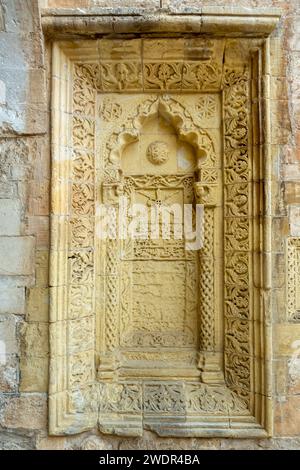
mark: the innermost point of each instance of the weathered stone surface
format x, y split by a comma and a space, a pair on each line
19, 256
101, 4
8, 336
10, 217
13, 441
39, 227
294, 220
42, 269
285, 338
22, 71
9, 373
52, 443
287, 416
96, 443
38, 304
34, 339
12, 298
27, 411
34, 372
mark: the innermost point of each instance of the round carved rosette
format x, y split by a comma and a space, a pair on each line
158, 152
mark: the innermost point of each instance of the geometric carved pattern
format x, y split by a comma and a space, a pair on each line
206, 285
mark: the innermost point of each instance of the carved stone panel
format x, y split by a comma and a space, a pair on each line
293, 278
147, 332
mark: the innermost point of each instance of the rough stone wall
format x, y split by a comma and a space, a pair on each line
24, 227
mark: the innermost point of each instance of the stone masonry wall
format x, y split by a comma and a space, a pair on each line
24, 227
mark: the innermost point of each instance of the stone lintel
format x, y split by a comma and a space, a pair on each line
66, 23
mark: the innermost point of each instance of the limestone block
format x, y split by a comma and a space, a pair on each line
9, 374
278, 88
287, 416
292, 192
1, 20
8, 337
39, 227
19, 116
37, 304
8, 189
34, 339
280, 377
278, 263
132, 4
278, 57
10, 217
281, 125
17, 256
291, 172
95, 443
15, 158
294, 218
22, 73
286, 337
68, 3
34, 374
15, 441
27, 411
42, 268
12, 297
51, 443
102, 4
280, 230
39, 193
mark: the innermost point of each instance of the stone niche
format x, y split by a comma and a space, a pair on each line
145, 334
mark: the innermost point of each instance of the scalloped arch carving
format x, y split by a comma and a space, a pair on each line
175, 113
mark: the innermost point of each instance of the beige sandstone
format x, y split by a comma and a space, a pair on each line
234, 101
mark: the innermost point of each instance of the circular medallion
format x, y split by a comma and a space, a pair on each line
158, 152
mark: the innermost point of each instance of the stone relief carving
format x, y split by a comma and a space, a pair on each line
157, 152
293, 278
237, 204
102, 293
206, 107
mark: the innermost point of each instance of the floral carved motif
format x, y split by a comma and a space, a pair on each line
121, 76
110, 110
83, 199
201, 75
237, 231
158, 153
163, 76
82, 232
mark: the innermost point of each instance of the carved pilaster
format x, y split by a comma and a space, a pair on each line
238, 231
208, 194
108, 362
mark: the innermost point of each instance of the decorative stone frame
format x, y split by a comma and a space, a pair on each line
293, 278
77, 402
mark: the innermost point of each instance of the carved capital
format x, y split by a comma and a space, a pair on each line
206, 194
111, 193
